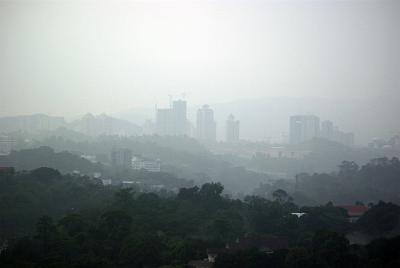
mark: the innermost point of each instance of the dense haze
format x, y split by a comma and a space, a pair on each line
199, 134
72, 57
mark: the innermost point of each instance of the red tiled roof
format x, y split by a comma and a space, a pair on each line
355, 210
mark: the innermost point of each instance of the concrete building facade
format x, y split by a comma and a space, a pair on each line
206, 126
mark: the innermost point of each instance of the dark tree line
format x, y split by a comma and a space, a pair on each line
55, 220
377, 180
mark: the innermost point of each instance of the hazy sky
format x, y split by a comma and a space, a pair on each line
73, 57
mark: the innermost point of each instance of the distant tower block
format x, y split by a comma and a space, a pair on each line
303, 128
172, 121
232, 129
206, 125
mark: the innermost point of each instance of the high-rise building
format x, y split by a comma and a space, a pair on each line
306, 127
180, 119
165, 122
303, 128
172, 121
206, 126
327, 130
232, 129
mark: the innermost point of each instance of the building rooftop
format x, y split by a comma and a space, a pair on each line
354, 210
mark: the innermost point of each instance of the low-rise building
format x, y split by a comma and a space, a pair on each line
264, 243
91, 158
131, 184
106, 182
279, 152
150, 165
7, 144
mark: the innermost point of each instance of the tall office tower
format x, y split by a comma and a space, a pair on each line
165, 122
303, 128
180, 119
206, 126
172, 121
232, 129
327, 130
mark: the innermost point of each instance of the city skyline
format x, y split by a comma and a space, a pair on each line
71, 58
199, 133
173, 121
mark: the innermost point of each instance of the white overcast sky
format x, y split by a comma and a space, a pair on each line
72, 57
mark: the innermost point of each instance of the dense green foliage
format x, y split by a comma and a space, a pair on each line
326, 249
377, 180
87, 223
182, 157
67, 162
44, 156
24, 197
319, 156
55, 220
383, 218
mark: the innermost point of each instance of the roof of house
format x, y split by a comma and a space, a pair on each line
355, 210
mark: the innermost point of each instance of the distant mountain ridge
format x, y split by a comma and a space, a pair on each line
262, 119
104, 125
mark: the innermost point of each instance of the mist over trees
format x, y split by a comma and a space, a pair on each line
66, 203
374, 181
199, 134
87, 224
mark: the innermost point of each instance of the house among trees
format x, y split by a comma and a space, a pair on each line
263, 243
354, 212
